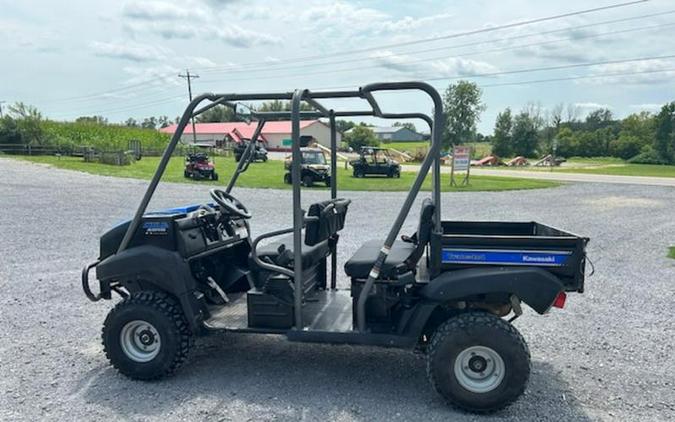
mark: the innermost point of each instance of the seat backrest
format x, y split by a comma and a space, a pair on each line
423, 234
329, 218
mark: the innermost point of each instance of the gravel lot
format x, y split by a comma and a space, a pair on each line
608, 355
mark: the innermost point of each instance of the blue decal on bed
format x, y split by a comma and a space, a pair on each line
504, 257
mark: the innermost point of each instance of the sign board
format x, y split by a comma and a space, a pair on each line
461, 163
287, 142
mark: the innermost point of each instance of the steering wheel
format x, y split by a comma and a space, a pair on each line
229, 203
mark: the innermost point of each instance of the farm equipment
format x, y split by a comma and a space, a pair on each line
375, 161
198, 166
549, 161
313, 169
259, 153
450, 290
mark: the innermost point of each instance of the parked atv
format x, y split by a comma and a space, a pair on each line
259, 154
375, 161
198, 166
314, 168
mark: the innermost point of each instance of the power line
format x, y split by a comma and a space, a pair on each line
572, 78
360, 68
441, 48
462, 34
393, 45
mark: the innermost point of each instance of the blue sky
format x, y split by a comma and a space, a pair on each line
121, 59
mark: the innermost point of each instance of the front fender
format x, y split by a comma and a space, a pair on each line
149, 267
535, 286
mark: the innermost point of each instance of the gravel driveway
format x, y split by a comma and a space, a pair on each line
608, 355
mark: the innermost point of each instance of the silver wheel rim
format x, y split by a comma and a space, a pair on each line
140, 341
479, 369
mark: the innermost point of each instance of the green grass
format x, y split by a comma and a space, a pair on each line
671, 252
270, 175
626, 170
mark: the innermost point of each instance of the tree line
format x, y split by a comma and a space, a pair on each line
534, 131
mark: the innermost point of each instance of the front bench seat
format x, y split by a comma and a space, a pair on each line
404, 254
311, 255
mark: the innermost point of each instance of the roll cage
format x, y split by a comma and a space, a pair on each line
312, 98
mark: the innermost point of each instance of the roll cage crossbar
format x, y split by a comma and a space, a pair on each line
312, 99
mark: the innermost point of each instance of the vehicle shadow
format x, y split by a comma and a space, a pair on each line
242, 377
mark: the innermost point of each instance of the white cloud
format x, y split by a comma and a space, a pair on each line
449, 67
647, 106
129, 51
457, 66
154, 10
189, 20
633, 73
160, 75
591, 105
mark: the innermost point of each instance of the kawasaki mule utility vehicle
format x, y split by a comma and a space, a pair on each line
375, 161
451, 289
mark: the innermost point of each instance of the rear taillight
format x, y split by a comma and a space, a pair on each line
559, 301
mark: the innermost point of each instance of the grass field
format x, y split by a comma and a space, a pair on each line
671, 252
270, 175
603, 165
625, 170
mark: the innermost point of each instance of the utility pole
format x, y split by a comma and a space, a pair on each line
1, 103
189, 78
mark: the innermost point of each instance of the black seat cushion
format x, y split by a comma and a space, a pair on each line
311, 255
360, 264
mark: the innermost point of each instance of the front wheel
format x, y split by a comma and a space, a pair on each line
214, 176
146, 336
478, 362
308, 180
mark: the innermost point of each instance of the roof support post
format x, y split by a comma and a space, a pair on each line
298, 214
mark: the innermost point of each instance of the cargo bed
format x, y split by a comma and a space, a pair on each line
467, 244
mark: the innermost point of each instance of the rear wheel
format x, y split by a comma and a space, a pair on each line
327, 181
186, 173
146, 336
478, 362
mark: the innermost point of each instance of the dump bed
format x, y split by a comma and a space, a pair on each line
466, 244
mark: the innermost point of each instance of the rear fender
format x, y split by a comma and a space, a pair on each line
536, 287
152, 268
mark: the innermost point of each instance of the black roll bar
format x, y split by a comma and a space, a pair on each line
436, 124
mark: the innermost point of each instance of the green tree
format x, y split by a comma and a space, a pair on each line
360, 136
502, 137
149, 122
9, 131
462, 108
664, 141
566, 141
278, 105
29, 123
407, 125
524, 136
598, 119
131, 122
344, 125
217, 114
92, 119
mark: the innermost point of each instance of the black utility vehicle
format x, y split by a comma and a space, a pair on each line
450, 290
199, 166
259, 153
314, 168
375, 161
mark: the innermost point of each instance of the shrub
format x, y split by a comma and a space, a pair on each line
648, 156
626, 146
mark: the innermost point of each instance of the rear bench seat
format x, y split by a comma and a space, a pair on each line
402, 257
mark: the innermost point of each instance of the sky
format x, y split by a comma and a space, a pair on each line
121, 59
